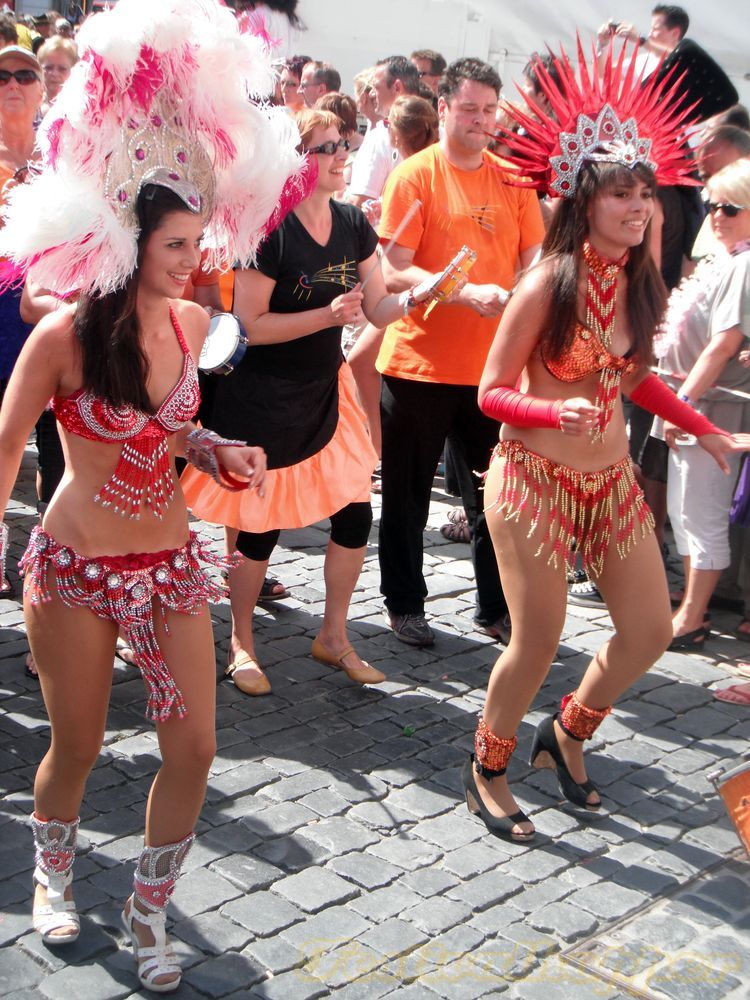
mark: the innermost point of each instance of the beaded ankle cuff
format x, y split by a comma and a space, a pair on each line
157, 871
491, 753
578, 720
55, 846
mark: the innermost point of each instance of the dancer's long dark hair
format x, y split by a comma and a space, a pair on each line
115, 366
647, 294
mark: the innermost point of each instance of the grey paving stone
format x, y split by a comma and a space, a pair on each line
423, 800
86, 981
212, 933
429, 882
294, 853
687, 979
381, 817
263, 913
203, 890
298, 785
247, 872
394, 937
439, 916
611, 904
373, 986
325, 802
565, 921
346, 964
464, 980
405, 851
278, 820
339, 835
630, 959
18, 971
242, 780
475, 859
538, 944
314, 889
451, 831
383, 903
219, 976
275, 954
294, 985
486, 890
366, 870
730, 892
326, 930
506, 959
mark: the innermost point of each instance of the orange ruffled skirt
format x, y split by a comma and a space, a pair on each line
301, 494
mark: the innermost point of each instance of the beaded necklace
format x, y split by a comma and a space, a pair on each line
601, 299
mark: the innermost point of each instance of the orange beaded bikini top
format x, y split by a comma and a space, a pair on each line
586, 356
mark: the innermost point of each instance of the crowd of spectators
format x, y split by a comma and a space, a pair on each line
406, 125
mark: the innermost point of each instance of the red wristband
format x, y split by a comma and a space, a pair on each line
656, 397
520, 410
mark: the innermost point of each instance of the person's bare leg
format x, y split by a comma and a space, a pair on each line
635, 591
73, 651
341, 571
536, 593
245, 582
187, 745
361, 359
699, 586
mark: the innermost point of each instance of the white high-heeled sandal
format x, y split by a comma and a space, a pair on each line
50, 919
54, 841
157, 960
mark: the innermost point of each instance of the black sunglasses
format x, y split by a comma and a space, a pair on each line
330, 147
22, 76
731, 211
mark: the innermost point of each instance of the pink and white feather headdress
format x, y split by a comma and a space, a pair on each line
177, 81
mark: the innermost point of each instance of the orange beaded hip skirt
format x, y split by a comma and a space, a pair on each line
563, 506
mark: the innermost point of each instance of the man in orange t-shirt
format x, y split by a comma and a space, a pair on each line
431, 367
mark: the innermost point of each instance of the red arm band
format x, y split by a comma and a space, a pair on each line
520, 410
656, 397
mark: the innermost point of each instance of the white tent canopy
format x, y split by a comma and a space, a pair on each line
353, 34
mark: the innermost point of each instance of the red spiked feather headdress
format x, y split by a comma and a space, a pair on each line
617, 118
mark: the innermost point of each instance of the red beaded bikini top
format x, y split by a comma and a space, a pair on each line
143, 473
586, 356
89, 416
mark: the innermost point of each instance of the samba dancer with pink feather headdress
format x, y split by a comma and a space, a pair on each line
158, 144
576, 334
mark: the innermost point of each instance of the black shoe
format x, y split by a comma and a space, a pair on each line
690, 642
585, 595
545, 752
499, 631
412, 629
500, 826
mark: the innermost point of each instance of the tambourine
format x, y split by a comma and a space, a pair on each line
440, 286
225, 345
733, 786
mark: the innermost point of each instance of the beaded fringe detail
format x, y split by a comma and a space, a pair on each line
157, 871
579, 507
491, 752
578, 720
124, 590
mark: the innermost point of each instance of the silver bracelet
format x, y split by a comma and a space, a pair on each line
200, 451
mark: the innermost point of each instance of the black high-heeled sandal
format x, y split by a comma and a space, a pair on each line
498, 826
545, 753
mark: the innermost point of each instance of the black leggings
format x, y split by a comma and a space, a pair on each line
350, 528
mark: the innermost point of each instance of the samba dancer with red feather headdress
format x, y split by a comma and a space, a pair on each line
577, 333
153, 147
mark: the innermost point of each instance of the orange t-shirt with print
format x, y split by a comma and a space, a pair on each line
479, 208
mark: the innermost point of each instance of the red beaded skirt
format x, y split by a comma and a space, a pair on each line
594, 510
126, 589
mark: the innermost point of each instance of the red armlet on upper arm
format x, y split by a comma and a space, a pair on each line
656, 397
520, 410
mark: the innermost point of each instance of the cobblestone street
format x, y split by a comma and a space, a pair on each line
335, 854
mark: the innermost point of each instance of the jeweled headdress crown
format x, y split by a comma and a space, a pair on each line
615, 118
171, 92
